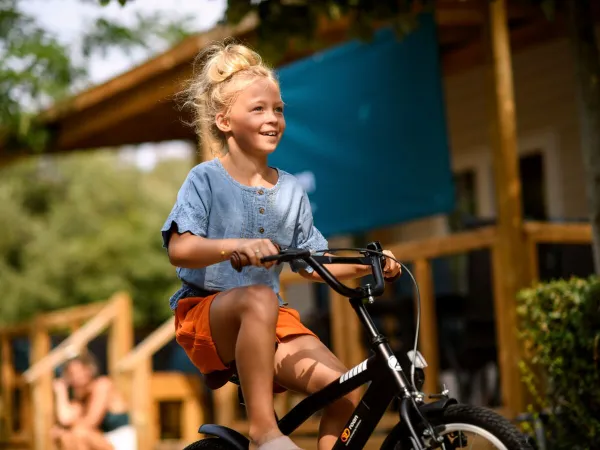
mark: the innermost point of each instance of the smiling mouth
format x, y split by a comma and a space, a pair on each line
270, 133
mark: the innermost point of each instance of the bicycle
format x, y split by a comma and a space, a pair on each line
442, 423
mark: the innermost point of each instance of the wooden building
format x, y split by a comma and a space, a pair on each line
508, 76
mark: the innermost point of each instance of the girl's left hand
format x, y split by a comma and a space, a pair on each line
392, 268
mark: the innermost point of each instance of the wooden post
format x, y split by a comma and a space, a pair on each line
42, 398
512, 270
8, 386
141, 406
226, 402
428, 337
120, 341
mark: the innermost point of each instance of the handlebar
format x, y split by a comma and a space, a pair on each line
318, 262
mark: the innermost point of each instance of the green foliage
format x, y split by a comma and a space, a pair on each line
560, 327
284, 22
76, 229
36, 70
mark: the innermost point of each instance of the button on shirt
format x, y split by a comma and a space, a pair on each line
211, 204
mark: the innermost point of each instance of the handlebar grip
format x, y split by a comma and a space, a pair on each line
240, 260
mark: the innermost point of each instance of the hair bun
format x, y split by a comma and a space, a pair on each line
224, 60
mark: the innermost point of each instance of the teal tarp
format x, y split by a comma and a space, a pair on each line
366, 131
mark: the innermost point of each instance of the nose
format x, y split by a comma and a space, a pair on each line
272, 117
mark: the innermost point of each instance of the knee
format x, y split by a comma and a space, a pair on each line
260, 302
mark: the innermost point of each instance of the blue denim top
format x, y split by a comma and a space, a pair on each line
211, 204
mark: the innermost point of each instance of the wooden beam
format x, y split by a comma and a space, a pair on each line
8, 385
149, 346
71, 345
142, 406
559, 233
508, 194
120, 341
428, 338
42, 398
64, 318
440, 246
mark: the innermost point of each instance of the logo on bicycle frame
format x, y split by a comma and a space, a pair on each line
349, 432
394, 364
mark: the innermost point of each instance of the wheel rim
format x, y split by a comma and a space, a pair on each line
483, 439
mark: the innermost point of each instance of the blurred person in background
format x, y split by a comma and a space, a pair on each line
91, 413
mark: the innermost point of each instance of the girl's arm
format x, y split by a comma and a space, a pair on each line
97, 404
67, 412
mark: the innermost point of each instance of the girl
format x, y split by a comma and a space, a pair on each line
237, 202
94, 415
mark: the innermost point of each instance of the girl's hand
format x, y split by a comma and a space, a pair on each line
392, 268
255, 249
60, 386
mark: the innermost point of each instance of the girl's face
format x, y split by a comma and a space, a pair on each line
78, 375
256, 120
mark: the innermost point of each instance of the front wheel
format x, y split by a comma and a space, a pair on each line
472, 427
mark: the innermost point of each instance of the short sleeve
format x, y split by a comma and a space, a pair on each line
307, 235
191, 210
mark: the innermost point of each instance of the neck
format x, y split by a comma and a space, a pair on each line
248, 168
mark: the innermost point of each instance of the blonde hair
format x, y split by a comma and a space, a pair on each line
226, 68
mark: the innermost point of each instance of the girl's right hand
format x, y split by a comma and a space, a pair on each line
255, 249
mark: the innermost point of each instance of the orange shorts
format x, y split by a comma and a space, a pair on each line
192, 331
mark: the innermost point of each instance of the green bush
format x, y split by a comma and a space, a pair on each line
560, 328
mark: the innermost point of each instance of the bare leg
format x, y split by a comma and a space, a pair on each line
70, 441
242, 323
304, 364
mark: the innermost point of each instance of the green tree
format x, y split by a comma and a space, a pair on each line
36, 70
78, 228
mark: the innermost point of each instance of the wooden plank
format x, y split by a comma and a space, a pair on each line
120, 340
8, 386
141, 406
64, 318
17, 330
508, 192
439, 246
171, 386
192, 416
150, 345
71, 345
42, 398
226, 401
531, 249
559, 233
428, 337
503, 331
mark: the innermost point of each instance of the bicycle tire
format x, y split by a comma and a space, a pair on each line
483, 418
213, 443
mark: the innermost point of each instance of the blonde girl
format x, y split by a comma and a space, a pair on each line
227, 320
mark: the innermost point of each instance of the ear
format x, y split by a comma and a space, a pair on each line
222, 122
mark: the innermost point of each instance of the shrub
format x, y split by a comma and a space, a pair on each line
560, 328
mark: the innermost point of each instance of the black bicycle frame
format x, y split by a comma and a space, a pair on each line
387, 381
382, 370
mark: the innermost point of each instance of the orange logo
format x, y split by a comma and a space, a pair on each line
345, 435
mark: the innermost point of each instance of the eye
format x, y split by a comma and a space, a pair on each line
257, 108
279, 109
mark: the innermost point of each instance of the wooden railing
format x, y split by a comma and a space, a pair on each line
148, 388
552, 233
151, 388
37, 413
